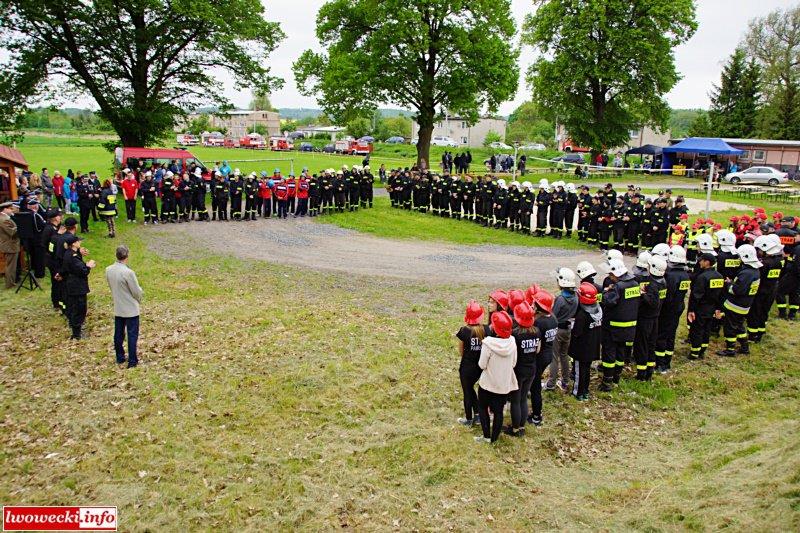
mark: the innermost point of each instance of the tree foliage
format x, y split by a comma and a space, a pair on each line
528, 123
735, 101
358, 127
261, 102
426, 55
199, 124
492, 137
774, 42
680, 120
606, 64
701, 126
144, 62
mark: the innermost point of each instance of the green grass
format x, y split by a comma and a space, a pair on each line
279, 399
385, 221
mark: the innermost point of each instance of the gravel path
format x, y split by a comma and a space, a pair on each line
305, 243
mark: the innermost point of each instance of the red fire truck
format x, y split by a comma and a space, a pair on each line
353, 147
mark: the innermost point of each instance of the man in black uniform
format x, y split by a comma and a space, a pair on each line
609, 195
526, 207
604, 225
500, 204
76, 283
514, 199
584, 209
148, 189
405, 184
571, 206
456, 193
633, 219
367, 182
392, 185
60, 248
198, 195
677, 280
619, 212
660, 222
558, 206
315, 193
468, 191
620, 309
487, 200
339, 191
184, 191
220, 192
354, 188
653, 291
48, 242
738, 300
168, 208
646, 240
250, 195
770, 251
706, 291
326, 188
787, 297
86, 194
236, 189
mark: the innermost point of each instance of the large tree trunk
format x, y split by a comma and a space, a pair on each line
425, 120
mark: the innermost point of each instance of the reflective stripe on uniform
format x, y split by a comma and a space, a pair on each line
630, 324
736, 308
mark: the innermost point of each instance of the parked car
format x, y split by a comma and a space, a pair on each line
533, 147
297, 135
306, 147
440, 140
499, 145
767, 175
329, 148
395, 140
569, 158
367, 139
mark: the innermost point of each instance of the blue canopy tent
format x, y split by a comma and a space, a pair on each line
699, 145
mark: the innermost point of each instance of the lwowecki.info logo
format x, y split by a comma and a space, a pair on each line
30, 518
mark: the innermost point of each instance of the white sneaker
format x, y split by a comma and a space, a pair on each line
483, 440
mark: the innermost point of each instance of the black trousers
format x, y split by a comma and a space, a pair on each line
525, 220
222, 208
569, 219
469, 209
56, 291
76, 312
290, 204
302, 207
604, 236
542, 362
632, 235
266, 205
699, 334
668, 322
85, 207
327, 201
556, 222
541, 221
519, 398
615, 341
619, 235
130, 209
469, 373
455, 207
582, 376
494, 402
236, 207
61, 202
644, 344
759, 313
733, 329
150, 209
283, 205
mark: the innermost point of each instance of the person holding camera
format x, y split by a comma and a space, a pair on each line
9, 242
76, 283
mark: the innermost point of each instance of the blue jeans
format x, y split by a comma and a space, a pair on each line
131, 324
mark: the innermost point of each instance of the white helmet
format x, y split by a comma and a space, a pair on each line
643, 261
657, 266
617, 267
455, 177
677, 255
237, 172
585, 269
763, 243
613, 254
198, 172
501, 183
344, 167
515, 183
705, 243
566, 278
570, 187
544, 184
527, 185
558, 184
169, 174
726, 240
748, 255
661, 249
777, 246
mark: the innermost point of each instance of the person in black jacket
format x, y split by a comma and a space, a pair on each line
739, 298
706, 291
620, 308
584, 207
633, 220
653, 290
678, 283
470, 338
48, 238
86, 193
547, 325
148, 189
500, 205
558, 207
76, 283
526, 207
528, 341
542, 205
770, 251
584, 346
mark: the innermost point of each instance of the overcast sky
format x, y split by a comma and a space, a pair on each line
721, 25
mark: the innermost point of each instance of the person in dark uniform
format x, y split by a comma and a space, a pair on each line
547, 325
500, 204
584, 346
619, 213
76, 283
354, 188
787, 298
367, 183
595, 215
634, 213
706, 290
738, 299
198, 195
672, 307
770, 251
487, 200
470, 338
220, 191
660, 221
392, 187
85, 191
326, 187
653, 290
571, 207
647, 239
315, 194
236, 188
48, 243
514, 199
456, 193
168, 206
60, 249
558, 206
96, 186
584, 209
609, 195
250, 195
529, 341
184, 197
149, 190
436, 192
526, 207
604, 226
107, 207
468, 192
620, 310
339, 191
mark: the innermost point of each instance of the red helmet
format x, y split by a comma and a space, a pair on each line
587, 294
501, 324
523, 314
544, 300
530, 293
515, 297
474, 314
717, 226
500, 297
684, 216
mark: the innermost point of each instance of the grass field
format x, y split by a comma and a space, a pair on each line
275, 400
271, 398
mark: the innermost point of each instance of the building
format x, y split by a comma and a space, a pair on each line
239, 122
310, 131
779, 154
460, 131
638, 137
12, 163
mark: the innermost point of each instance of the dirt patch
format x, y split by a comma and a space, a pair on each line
304, 243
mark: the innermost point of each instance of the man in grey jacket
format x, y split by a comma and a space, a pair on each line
127, 296
47, 189
564, 309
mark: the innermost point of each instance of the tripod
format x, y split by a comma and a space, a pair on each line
28, 281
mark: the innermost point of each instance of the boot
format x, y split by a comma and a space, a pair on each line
792, 315
641, 374
649, 373
744, 347
606, 385
781, 312
617, 374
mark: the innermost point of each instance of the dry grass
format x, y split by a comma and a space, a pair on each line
275, 399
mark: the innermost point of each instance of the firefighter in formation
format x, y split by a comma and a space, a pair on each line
626, 222
630, 319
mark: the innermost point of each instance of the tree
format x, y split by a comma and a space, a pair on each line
680, 120
735, 101
143, 62
199, 124
261, 102
701, 127
492, 137
428, 55
774, 42
529, 123
606, 65
358, 127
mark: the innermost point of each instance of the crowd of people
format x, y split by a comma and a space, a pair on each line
631, 317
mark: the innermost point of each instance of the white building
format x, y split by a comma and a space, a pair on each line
461, 132
239, 122
310, 131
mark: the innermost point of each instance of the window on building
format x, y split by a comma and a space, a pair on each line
634, 134
464, 140
759, 155
463, 125
745, 156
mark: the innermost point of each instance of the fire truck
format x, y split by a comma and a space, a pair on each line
280, 144
568, 145
254, 141
187, 139
353, 147
212, 139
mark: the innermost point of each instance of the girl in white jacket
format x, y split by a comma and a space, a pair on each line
498, 358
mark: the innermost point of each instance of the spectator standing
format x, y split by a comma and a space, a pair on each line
47, 189
58, 189
130, 187
127, 295
9, 242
